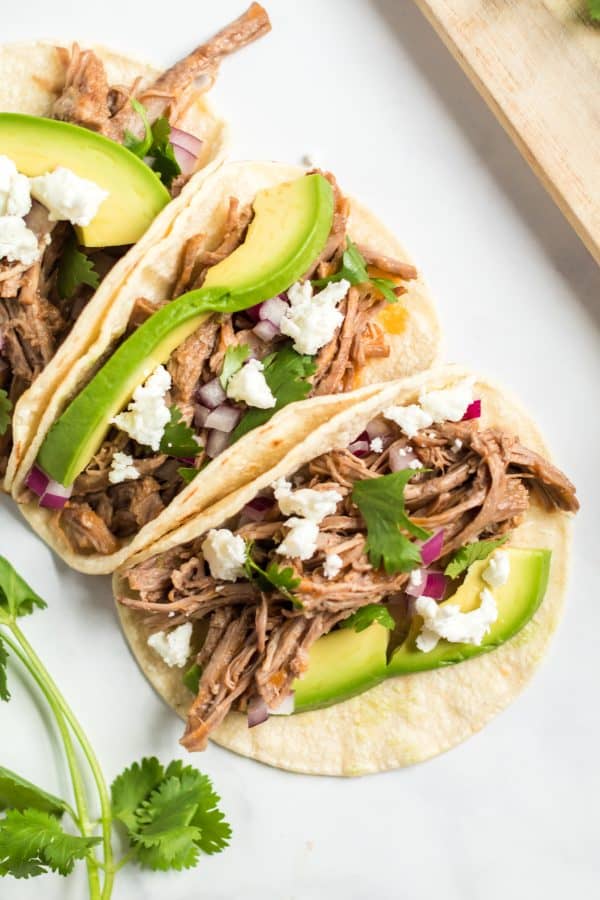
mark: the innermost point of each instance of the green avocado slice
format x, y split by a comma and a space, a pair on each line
345, 662
264, 265
135, 194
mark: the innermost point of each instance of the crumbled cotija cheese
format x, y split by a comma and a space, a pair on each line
225, 554
249, 385
146, 416
332, 565
410, 418
376, 445
301, 539
67, 197
448, 622
15, 199
497, 570
122, 468
448, 404
311, 321
173, 646
17, 242
306, 502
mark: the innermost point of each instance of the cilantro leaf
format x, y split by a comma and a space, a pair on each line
162, 153
129, 790
5, 411
4, 691
283, 580
353, 268
386, 287
18, 793
235, 357
381, 503
16, 597
32, 842
470, 553
74, 269
366, 615
141, 147
286, 373
188, 473
594, 10
192, 677
178, 438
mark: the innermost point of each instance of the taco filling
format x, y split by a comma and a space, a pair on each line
59, 233
386, 532
228, 376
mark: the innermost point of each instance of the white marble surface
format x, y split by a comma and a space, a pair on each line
369, 91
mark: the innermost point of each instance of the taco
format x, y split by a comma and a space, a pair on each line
373, 599
108, 141
270, 287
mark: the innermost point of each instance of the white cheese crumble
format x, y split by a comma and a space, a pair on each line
306, 502
250, 386
497, 570
332, 565
122, 468
301, 539
457, 445
376, 445
173, 646
17, 242
67, 197
416, 578
225, 554
410, 418
448, 622
448, 404
311, 321
146, 416
15, 199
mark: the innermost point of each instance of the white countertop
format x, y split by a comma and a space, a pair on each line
369, 91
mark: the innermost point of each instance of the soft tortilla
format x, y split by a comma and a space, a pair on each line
410, 718
31, 77
203, 211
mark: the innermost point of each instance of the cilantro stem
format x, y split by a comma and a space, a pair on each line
62, 711
127, 857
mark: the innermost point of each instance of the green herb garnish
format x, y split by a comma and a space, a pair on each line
286, 373
191, 678
354, 270
178, 438
366, 615
141, 147
283, 580
75, 269
169, 815
187, 473
594, 10
381, 503
155, 144
5, 411
235, 357
470, 553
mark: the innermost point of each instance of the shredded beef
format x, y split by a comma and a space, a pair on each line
256, 643
86, 530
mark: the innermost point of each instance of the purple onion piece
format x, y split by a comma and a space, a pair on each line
473, 411
266, 330
435, 586
273, 310
400, 458
37, 481
378, 428
56, 495
216, 442
211, 394
186, 160
257, 712
414, 588
186, 140
223, 418
431, 549
201, 414
257, 508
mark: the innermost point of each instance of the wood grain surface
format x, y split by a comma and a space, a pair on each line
537, 64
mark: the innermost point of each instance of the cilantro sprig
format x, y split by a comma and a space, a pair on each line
471, 553
178, 438
366, 615
5, 411
235, 357
169, 815
594, 10
354, 270
287, 374
283, 579
381, 503
75, 269
155, 144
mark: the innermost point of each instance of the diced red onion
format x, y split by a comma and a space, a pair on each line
473, 411
257, 509
273, 310
266, 330
378, 428
400, 458
186, 140
56, 495
257, 712
223, 418
359, 447
253, 312
216, 442
186, 160
431, 549
285, 708
435, 586
201, 413
416, 583
188, 460
212, 394
37, 481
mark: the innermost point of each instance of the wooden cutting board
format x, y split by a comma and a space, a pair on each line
537, 64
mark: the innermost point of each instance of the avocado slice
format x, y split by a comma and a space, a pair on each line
345, 662
136, 195
342, 664
270, 262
